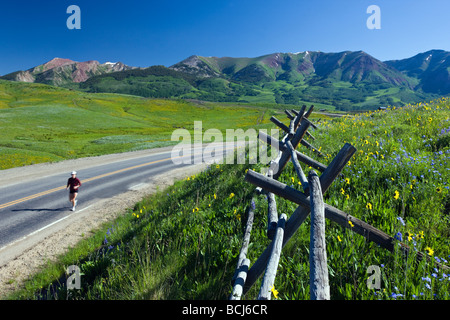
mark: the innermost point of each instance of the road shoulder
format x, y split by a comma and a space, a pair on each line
27, 255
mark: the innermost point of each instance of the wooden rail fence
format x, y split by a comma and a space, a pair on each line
280, 229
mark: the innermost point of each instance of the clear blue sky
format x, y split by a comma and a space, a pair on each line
145, 33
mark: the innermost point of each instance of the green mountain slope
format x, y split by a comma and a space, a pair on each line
344, 81
432, 68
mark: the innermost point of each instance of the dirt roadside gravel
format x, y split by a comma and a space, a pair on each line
29, 255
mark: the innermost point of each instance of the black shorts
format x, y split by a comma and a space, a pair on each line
73, 191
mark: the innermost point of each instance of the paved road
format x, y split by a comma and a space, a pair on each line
333, 115
26, 207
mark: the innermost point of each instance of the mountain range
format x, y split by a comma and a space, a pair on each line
347, 80
64, 72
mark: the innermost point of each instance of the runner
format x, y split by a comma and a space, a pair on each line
74, 183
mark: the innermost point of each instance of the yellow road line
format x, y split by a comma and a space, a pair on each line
8, 204
31, 197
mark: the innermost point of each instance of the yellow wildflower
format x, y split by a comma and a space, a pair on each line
409, 236
429, 251
342, 191
351, 223
274, 292
339, 239
347, 180
396, 195
369, 206
231, 195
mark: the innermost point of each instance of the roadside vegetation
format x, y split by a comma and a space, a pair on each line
183, 242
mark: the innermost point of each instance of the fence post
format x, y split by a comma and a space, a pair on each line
272, 214
280, 124
272, 265
309, 111
297, 167
318, 279
238, 287
245, 241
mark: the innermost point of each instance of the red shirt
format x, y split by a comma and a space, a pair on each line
73, 182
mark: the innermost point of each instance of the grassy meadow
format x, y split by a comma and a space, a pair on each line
42, 123
183, 242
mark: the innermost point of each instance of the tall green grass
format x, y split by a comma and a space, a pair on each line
183, 242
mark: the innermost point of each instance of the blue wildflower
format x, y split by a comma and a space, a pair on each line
396, 295
401, 220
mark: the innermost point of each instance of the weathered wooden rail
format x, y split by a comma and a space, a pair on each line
281, 229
